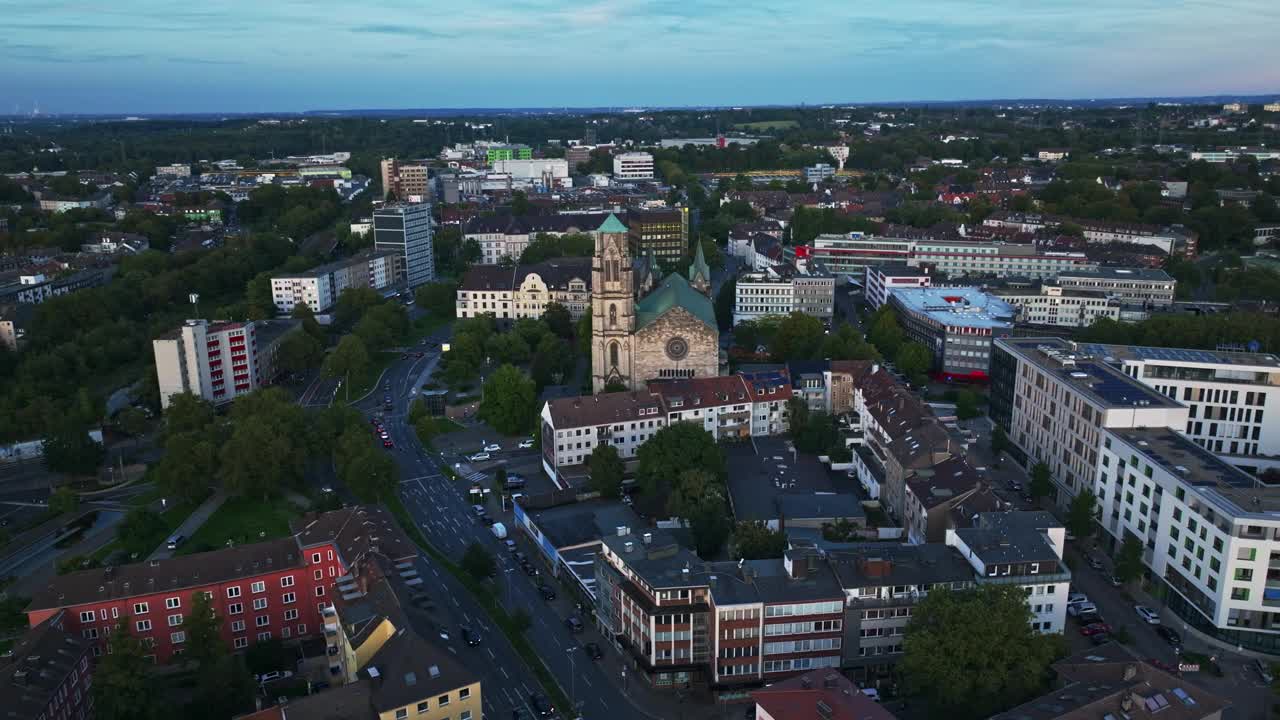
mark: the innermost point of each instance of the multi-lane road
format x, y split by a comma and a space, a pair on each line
442, 509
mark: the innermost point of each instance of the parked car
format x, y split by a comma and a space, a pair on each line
1076, 599
1151, 617
274, 675
492, 448
1116, 581
541, 705
1081, 608
470, 637
525, 444
511, 545
480, 457
872, 693
573, 623
1095, 563
388, 444
1169, 635
1162, 665
1089, 619
529, 568
478, 510
547, 592
1100, 638
593, 651
1095, 628
1263, 668
488, 521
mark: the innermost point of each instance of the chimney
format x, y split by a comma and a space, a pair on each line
648, 538
627, 546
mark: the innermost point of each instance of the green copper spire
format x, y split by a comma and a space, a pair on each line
698, 271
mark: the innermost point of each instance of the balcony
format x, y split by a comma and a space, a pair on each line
1037, 579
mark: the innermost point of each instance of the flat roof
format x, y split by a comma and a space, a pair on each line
1181, 355
583, 522
1087, 374
1120, 273
967, 306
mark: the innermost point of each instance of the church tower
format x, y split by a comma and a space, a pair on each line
613, 307
700, 272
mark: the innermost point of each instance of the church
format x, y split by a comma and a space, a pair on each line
646, 326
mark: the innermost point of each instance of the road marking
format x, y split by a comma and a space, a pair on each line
491, 655
504, 672
586, 680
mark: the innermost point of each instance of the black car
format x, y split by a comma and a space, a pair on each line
547, 592
1095, 563
593, 651
1088, 619
573, 623
540, 704
486, 520
1100, 638
529, 568
470, 637
1170, 635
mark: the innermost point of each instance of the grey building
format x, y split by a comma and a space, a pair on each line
406, 228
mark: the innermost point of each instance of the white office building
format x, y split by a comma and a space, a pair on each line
1047, 304
632, 166
406, 229
1210, 533
320, 287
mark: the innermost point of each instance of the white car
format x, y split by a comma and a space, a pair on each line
477, 509
479, 457
1081, 608
493, 448
1147, 614
872, 694
274, 675
1075, 598
525, 444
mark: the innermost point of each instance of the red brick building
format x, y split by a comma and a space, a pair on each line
273, 589
48, 676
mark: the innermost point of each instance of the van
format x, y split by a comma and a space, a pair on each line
499, 530
174, 542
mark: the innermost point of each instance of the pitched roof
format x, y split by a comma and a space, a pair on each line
821, 693
702, 392
410, 669
672, 292
47, 654
356, 530
612, 224
592, 410
699, 267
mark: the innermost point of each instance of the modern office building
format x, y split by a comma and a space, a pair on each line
956, 324
548, 174
1210, 533
884, 279
320, 287
632, 166
218, 361
1054, 401
665, 233
1228, 396
853, 253
507, 236
272, 589
1141, 286
408, 182
1048, 304
509, 294
497, 153
819, 173
406, 228
782, 290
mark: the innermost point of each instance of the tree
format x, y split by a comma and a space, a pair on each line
967, 405
224, 689
438, 298
1129, 559
999, 441
710, 526
70, 450
753, 540
187, 413
268, 655
478, 563
349, 358
557, 317
1080, 519
63, 500
140, 531
310, 325
369, 473
132, 421
691, 488
1041, 481
673, 450
913, 360
257, 297
798, 337
204, 632
189, 466
298, 353
606, 471
510, 401
885, 332
263, 457
499, 484
725, 300
123, 684
974, 653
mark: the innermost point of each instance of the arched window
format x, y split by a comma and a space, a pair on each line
613, 316
613, 355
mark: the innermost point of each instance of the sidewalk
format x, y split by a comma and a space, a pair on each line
192, 523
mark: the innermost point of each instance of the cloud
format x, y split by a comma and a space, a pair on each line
405, 30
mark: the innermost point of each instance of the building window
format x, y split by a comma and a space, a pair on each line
464, 693
466, 715
320, 591
402, 713
264, 636
258, 587
178, 637
288, 598
233, 592
262, 620
141, 609
291, 614
237, 626
259, 603
175, 620
286, 581
315, 557
172, 603
89, 633
235, 608
442, 701
319, 574
422, 707
86, 616
241, 643
144, 625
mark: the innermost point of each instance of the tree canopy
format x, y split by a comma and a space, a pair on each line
510, 403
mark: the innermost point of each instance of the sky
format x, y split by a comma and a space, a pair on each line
154, 56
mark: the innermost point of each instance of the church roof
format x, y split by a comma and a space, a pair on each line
674, 291
699, 267
611, 224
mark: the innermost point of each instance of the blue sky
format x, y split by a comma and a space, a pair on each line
277, 55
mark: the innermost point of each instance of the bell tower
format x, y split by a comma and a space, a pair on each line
613, 307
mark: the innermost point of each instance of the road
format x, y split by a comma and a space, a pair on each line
442, 508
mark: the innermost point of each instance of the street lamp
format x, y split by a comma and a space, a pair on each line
508, 572
573, 681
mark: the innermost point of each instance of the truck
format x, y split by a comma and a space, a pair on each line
499, 530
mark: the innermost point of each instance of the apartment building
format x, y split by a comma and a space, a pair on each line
489, 290
720, 405
1020, 548
573, 427
1227, 394
1210, 533
782, 290
883, 582
1142, 286
320, 287
852, 254
665, 233
827, 692
771, 389
881, 280
1048, 304
1054, 401
47, 674
507, 236
956, 324
685, 622
409, 182
1232, 154
35, 288
932, 494
218, 361
630, 166
405, 229
273, 589
116, 243
1169, 240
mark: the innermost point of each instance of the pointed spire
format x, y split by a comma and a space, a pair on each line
699, 270
655, 270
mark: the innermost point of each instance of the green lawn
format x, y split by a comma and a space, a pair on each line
242, 520
360, 386
428, 428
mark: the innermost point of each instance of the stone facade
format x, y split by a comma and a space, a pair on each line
613, 312
676, 345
